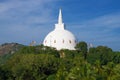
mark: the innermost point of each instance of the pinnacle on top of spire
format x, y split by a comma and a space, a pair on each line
60, 25
60, 17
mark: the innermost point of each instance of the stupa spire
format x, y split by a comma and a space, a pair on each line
60, 17
60, 25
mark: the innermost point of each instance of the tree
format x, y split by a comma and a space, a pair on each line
92, 50
81, 70
106, 54
109, 71
32, 66
82, 47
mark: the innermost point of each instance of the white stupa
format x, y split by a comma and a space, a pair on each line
60, 38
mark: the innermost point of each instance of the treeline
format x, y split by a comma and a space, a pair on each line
45, 63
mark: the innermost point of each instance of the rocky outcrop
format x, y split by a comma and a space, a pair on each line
9, 48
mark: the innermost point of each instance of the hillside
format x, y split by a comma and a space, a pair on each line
9, 48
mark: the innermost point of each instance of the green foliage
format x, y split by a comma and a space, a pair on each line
104, 54
82, 47
116, 57
38, 50
45, 63
4, 58
32, 66
69, 53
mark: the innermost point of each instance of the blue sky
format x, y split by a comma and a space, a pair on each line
93, 21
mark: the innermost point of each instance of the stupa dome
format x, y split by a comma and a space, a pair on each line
60, 38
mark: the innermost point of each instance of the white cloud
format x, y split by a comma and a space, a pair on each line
102, 30
106, 21
25, 19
